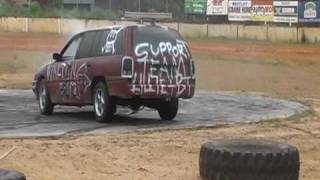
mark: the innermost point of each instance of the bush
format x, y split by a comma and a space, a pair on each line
37, 11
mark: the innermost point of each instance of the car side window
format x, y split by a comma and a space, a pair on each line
71, 51
112, 42
99, 43
89, 39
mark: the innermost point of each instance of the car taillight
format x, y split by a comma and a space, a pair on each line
127, 67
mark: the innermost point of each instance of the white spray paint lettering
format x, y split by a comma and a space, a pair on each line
109, 46
166, 68
77, 74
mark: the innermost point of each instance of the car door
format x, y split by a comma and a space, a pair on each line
99, 54
82, 64
59, 73
109, 52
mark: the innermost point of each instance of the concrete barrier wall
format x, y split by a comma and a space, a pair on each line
193, 30
283, 34
310, 35
174, 26
228, 31
71, 26
44, 25
253, 32
12, 24
98, 23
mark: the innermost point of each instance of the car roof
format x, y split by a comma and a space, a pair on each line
118, 27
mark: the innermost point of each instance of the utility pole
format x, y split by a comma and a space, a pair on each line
110, 4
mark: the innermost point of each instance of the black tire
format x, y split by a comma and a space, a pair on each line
45, 104
11, 175
248, 160
103, 111
168, 109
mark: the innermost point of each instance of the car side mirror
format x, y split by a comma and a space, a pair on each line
57, 57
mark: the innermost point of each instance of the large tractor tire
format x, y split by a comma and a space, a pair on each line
248, 160
11, 175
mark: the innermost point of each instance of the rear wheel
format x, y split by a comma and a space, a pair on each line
168, 109
104, 108
45, 104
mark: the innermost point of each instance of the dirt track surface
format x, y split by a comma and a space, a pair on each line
19, 116
54, 43
276, 69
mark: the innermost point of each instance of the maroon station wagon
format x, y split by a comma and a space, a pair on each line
133, 66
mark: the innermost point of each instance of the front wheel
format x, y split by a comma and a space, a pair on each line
104, 108
45, 104
168, 109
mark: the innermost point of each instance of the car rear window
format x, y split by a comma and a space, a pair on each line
154, 39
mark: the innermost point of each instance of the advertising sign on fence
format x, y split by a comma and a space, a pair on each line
285, 11
262, 10
217, 7
195, 6
309, 11
239, 10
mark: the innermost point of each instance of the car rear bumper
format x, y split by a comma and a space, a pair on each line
125, 89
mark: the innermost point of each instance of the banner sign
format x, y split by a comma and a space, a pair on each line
239, 10
285, 11
217, 7
195, 6
262, 10
309, 10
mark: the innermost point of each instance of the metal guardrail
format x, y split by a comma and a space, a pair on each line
147, 16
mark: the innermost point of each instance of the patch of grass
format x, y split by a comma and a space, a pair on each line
247, 60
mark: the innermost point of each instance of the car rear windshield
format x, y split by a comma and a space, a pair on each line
155, 39
154, 35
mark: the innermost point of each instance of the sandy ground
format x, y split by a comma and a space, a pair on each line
276, 69
151, 155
